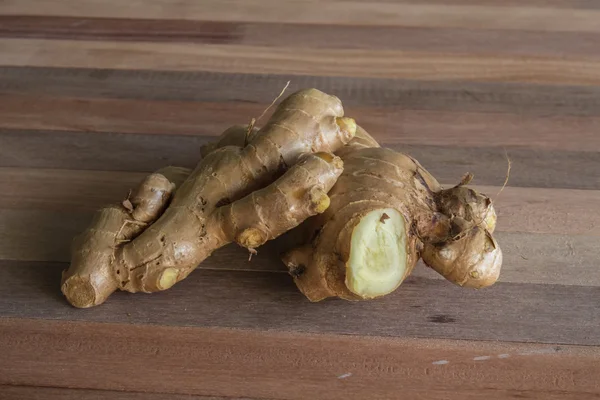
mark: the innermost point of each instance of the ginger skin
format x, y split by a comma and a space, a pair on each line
362, 235
450, 229
385, 212
246, 194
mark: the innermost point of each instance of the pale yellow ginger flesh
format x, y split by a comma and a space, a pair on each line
378, 254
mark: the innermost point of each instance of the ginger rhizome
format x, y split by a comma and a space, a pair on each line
364, 227
246, 194
386, 211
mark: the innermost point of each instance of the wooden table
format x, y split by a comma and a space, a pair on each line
94, 94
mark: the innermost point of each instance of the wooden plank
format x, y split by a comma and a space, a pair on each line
151, 30
13, 392
121, 115
578, 4
108, 151
299, 61
522, 99
390, 125
337, 12
286, 365
64, 190
137, 152
394, 125
47, 234
531, 168
10, 392
567, 212
445, 40
535, 210
425, 308
430, 40
242, 329
34, 235
571, 4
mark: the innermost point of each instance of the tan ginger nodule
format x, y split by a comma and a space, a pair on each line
385, 212
247, 194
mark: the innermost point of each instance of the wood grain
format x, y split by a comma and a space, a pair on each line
391, 125
93, 151
535, 258
443, 40
544, 169
568, 212
122, 115
420, 308
299, 61
534, 210
97, 93
577, 4
15, 392
66, 190
118, 29
136, 152
285, 365
470, 97
49, 235
337, 12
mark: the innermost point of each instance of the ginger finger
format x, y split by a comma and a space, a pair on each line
90, 280
151, 198
265, 214
251, 221
166, 251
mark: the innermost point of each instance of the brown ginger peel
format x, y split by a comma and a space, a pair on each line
372, 225
385, 212
247, 193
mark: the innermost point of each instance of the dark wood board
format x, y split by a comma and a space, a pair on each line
95, 95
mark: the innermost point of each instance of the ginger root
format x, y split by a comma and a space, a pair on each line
386, 211
364, 227
248, 194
